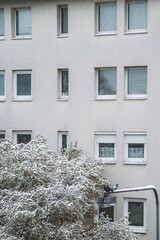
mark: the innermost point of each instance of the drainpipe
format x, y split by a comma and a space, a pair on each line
149, 187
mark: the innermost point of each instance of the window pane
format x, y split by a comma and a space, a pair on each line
106, 150
108, 212
23, 138
107, 17
1, 22
137, 80
107, 82
2, 135
64, 141
135, 150
23, 84
23, 22
137, 15
136, 210
64, 83
64, 20
2, 85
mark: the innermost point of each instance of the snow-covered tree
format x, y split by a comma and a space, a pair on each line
48, 196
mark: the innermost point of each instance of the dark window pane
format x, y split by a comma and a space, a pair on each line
106, 150
23, 138
107, 82
108, 212
64, 83
2, 85
136, 210
23, 22
64, 20
1, 22
2, 135
23, 84
135, 150
64, 141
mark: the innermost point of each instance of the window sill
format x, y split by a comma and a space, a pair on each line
135, 32
2, 100
62, 36
107, 162
135, 97
22, 37
22, 100
2, 38
139, 230
130, 162
105, 33
62, 99
113, 98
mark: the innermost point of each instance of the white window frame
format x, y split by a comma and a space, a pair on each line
105, 137
59, 21
60, 134
14, 30
60, 95
138, 30
134, 96
104, 97
25, 132
3, 98
137, 138
97, 31
3, 36
21, 97
137, 229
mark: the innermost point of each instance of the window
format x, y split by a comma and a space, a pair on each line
136, 82
1, 23
2, 134
107, 210
137, 15
106, 83
106, 17
135, 148
62, 140
62, 20
105, 146
63, 83
2, 85
22, 26
23, 85
135, 210
22, 137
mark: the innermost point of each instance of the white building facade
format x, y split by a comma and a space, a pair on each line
88, 71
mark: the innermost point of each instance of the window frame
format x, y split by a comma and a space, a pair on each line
137, 138
3, 97
137, 229
21, 97
2, 37
14, 24
97, 18
110, 138
106, 96
60, 94
138, 30
16, 132
135, 96
60, 32
60, 144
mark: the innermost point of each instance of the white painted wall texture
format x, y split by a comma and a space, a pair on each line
81, 52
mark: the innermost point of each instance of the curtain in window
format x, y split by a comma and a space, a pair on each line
137, 15
137, 80
135, 150
107, 81
107, 17
23, 22
1, 22
64, 20
24, 84
64, 83
106, 150
136, 210
1, 85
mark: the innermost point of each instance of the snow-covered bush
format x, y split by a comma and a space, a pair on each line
48, 196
